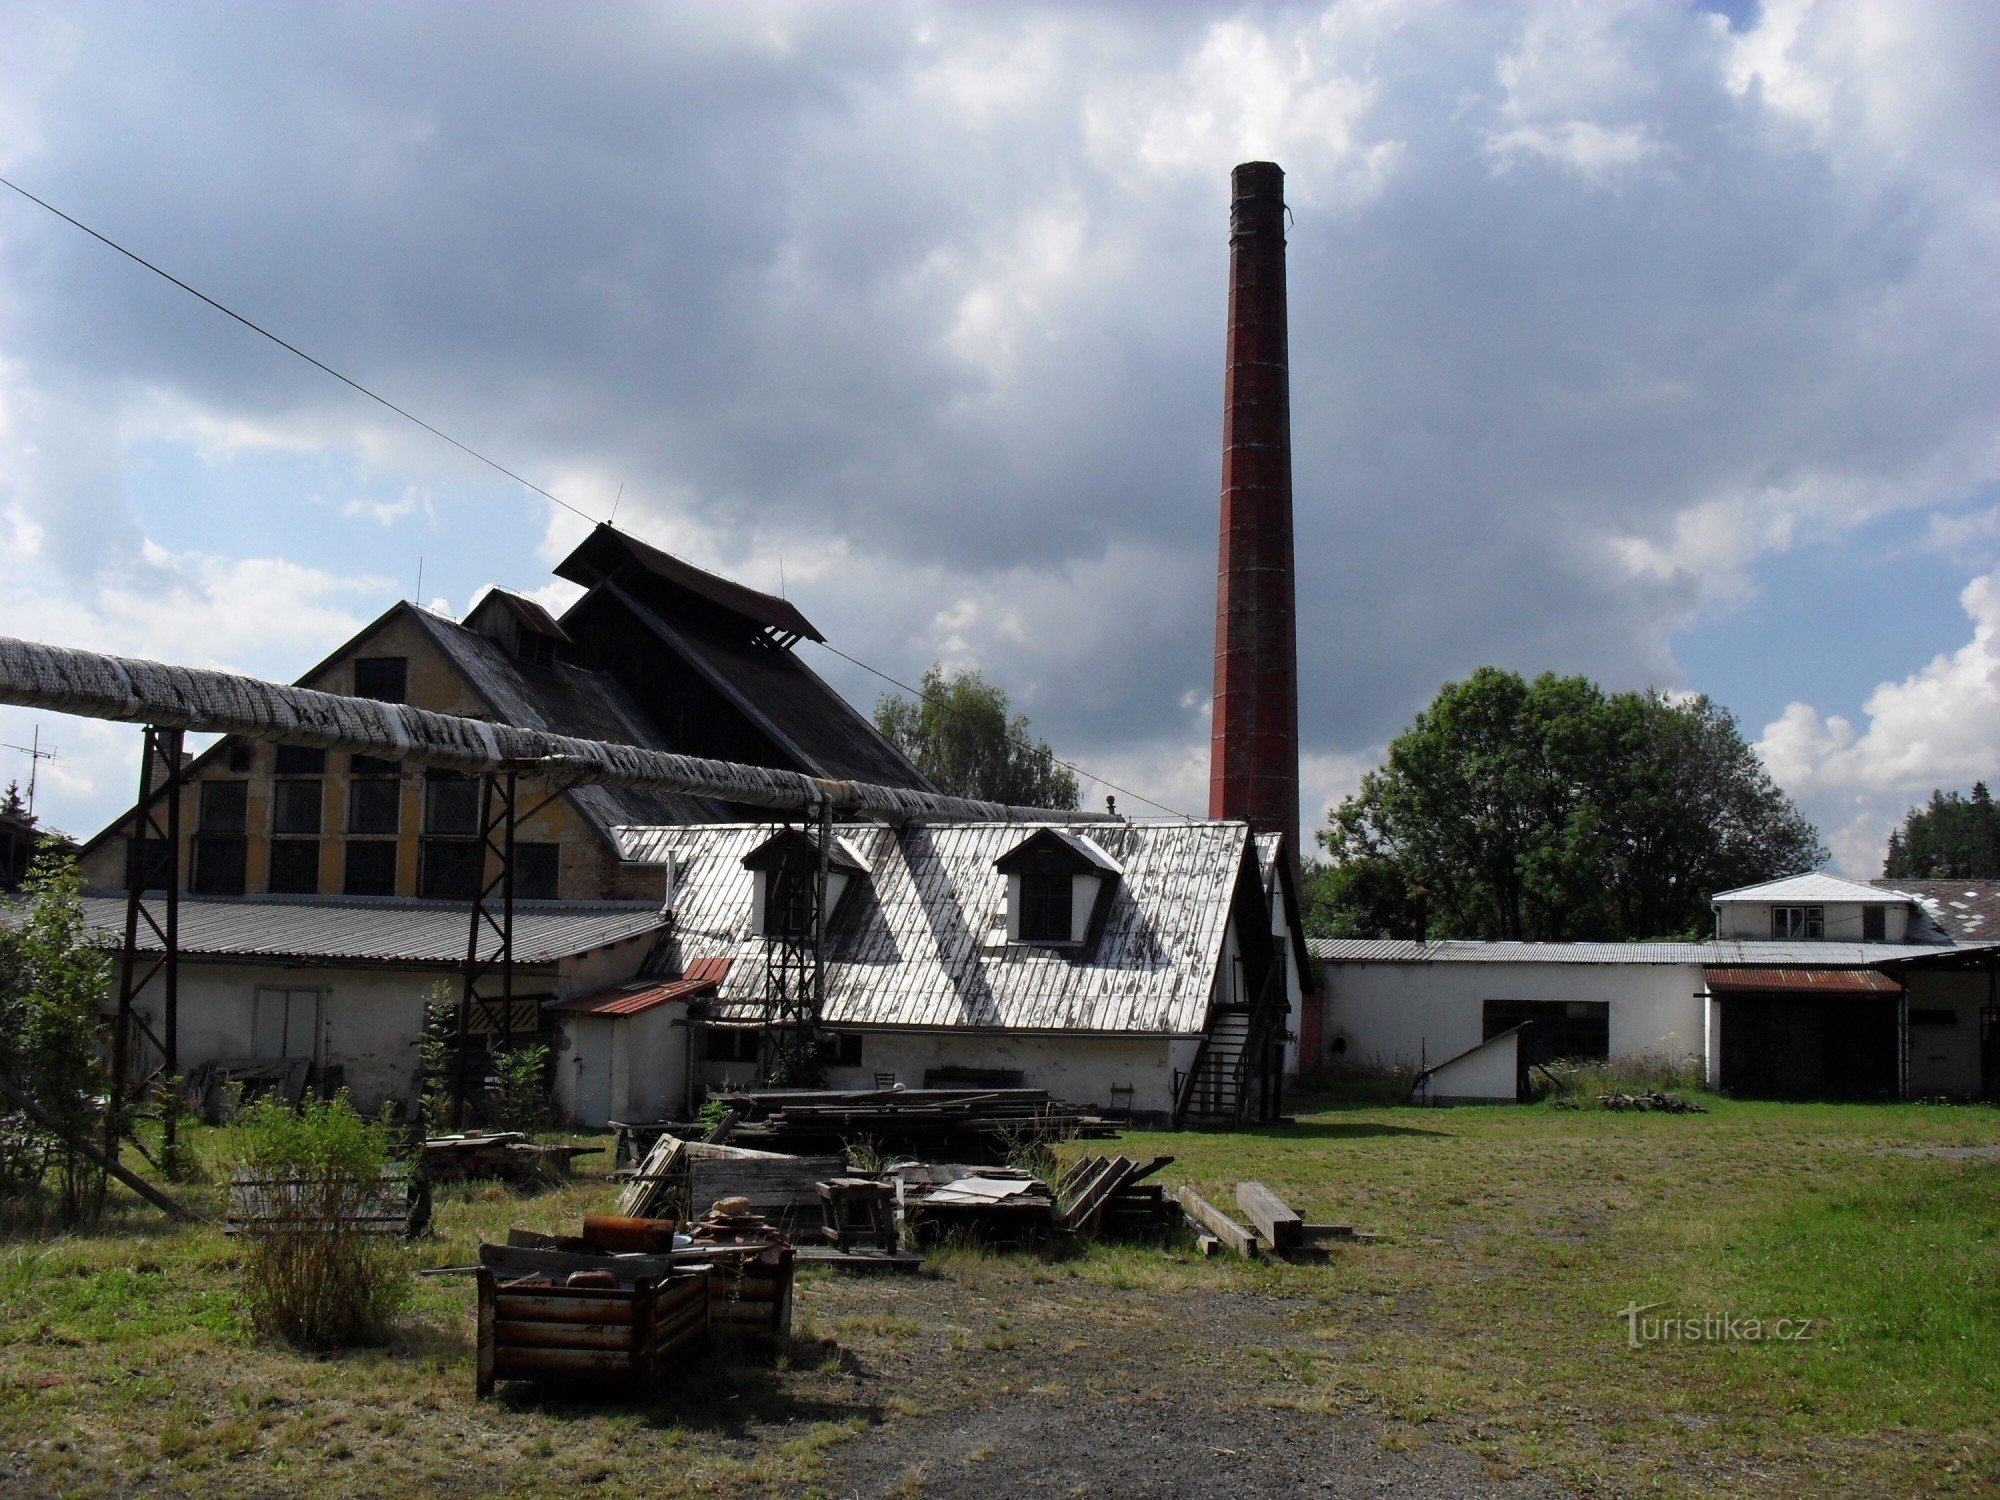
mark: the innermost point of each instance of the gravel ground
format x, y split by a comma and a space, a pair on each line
1068, 1389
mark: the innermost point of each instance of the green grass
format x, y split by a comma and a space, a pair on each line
1486, 1317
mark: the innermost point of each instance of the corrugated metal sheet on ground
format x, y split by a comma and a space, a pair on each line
1803, 981
634, 999
386, 930
922, 940
1746, 952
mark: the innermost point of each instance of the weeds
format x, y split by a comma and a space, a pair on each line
1578, 1083
311, 1275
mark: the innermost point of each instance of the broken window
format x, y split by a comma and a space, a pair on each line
1045, 908
1798, 922
294, 867
386, 679
371, 868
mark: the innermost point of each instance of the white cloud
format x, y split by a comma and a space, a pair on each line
413, 501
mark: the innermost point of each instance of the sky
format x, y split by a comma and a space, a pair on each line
1653, 341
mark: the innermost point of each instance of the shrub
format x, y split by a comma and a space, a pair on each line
1578, 1083
521, 1091
310, 1275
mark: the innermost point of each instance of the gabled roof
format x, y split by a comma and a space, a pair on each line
1964, 910
640, 996
371, 929
608, 554
924, 942
1809, 887
525, 612
791, 846
1057, 850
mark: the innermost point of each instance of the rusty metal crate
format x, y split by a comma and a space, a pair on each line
600, 1336
750, 1291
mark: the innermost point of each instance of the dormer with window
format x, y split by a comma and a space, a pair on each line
786, 871
1059, 885
520, 627
1818, 908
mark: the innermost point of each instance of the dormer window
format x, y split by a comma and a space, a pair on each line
786, 867
519, 626
1059, 885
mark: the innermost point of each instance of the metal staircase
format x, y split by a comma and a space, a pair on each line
1225, 1085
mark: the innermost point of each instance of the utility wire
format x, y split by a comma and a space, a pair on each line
294, 349
501, 468
1022, 741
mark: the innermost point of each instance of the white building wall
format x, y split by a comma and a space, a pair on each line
1415, 1014
622, 1067
1842, 920
1489, 1074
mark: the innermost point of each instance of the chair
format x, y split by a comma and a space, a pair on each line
885, 1080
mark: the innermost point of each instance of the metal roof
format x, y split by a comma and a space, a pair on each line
1747, 952
1810, 887
1802, 981
1962, 909
922, 940
384, 930
607, 551
642, 995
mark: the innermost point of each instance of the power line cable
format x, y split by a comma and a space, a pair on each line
501, 468
295, 349
1020, 740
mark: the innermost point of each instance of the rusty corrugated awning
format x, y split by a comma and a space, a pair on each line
631, 999
1800, 982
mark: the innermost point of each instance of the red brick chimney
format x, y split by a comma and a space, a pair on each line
1254, 743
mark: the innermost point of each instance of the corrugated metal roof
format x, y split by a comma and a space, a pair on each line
1803, 981
922, 940
1811, 887
385, 930
1961, 909
633, 999
1747, 952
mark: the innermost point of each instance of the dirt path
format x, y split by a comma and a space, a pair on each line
1070, 1389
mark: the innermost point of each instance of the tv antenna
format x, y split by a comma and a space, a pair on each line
36, 755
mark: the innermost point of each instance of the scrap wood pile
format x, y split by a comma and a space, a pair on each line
504, 1155
966, 1125
1652, 1099
677, 1176
397, 1204
1103, 1196
1274, 1227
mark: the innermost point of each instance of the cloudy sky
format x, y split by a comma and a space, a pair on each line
1655, 341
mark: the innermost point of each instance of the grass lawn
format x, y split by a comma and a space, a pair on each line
1486, 1319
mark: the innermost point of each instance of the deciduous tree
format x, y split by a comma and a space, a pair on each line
959, 734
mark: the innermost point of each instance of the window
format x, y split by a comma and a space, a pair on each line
1045, 908
1873, 924
840, 1049
241, 755
535, 870
218, 865
371, 868
284, 1023
300, 760
224, 806
295, 807
1557, 1028
788, 901
383, 678
148, 863
451, 803
451, 869
1798, 921
294, 867
369, 765
729, 1044
374, 806
1920, 1016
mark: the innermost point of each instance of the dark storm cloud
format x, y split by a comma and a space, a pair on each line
1588, 308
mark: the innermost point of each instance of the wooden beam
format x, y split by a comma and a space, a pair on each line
136, 1183
1281, 1227
1216, 1222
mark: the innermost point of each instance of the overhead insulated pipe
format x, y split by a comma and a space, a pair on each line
95, 686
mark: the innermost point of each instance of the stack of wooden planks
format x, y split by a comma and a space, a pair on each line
504, 1155
398, 1204
1274, 1228
936, 1124
681, 1179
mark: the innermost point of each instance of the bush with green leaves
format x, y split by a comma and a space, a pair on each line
311, 1275
54, 983
521, 1087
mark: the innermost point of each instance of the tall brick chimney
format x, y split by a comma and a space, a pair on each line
1254, 742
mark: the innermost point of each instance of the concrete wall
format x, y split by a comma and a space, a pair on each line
1489, 1074
1079, 1069
1945, 1059
623, 1067
1413, 1014
1842, 920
